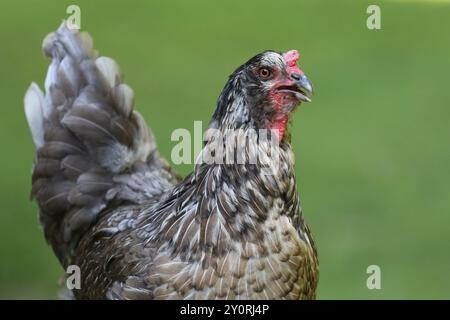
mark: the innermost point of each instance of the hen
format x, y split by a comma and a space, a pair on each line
110, 204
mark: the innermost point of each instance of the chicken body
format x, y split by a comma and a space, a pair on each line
249, 242
110, 204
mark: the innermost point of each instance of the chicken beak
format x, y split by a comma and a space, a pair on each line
304, 86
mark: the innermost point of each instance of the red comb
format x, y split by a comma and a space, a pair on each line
291, 57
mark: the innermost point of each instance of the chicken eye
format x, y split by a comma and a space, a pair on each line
265, 73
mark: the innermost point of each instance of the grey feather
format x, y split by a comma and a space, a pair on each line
86, 133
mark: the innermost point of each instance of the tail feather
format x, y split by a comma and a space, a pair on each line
34, 102
92, 147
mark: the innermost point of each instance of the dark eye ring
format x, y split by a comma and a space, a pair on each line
265, 73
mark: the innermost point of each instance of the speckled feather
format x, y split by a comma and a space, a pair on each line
111, 204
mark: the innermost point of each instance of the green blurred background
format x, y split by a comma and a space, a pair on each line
372, 149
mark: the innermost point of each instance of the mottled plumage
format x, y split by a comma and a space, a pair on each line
112, 205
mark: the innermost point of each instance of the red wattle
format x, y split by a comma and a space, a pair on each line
280, 127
